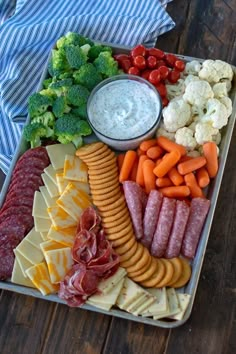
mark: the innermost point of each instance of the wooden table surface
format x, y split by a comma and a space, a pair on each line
203, 29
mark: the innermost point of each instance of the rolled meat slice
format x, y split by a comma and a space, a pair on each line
164, 224
151, 215
177, 233
198, 212
134, 199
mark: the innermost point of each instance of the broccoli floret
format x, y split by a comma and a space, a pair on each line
106, 64
59, 62
68, 129
96, 50
61, 87
38, 104
73, 38
46, 119
48, 93
34, 132
75, 56
80, 111
60, 106
47, 82
77, 95
87, 76
66, 75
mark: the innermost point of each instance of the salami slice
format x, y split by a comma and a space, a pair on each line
19, 193
32, 162
25, 176
6, 263
17, 202
133, 196
23, 213
34, 184
151, 216
26, 171
198, 212
164, 224
10, 229
177, 232
39, 152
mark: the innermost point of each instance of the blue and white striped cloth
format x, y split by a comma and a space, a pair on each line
29, 29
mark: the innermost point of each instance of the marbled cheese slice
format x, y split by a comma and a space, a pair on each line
42, 225
18, 277
64, 236
59, 262
39, 276
51, 172
75, 169
50, 245
74, 201
60, 219
57, 153
51, 186
48, 199
40, 206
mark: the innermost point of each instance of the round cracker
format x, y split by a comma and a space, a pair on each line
129, 253
117, 227
103, 188
103, 184
108, 222
148, 273
141, 270
101, 196
96, 156
99, 170
105, 180
134, 258
141, 263
89, 148
109, 201
115, 207
178, 269
168, 274
112, 173
121, 241
157, 275
126, 246
185, 276
119, 234
104, 162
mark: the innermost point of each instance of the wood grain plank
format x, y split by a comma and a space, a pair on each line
24, 323
76, 331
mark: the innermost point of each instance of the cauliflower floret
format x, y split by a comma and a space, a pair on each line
217, 138
216, 114
194, 153
190, 78
215, 70
198, 92
204, 132
175, 90
199, 110
193, 67
176, 115
228, 84
228, 104
161, 131
184, 136
192, 126
220, 90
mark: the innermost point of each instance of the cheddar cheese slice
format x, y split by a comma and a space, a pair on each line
73, 201
51, 186
59, 261
48, 199
61, 219
39, 206
42, 225
18, 277
57, 153
75, 169
39, 276
64, 236
51, 173
34, 237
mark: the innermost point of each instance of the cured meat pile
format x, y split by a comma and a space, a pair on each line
166, 226
16, 213
94, 260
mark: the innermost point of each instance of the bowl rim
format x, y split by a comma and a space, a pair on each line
124, 77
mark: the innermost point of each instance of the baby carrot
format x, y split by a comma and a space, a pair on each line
126, 168
133, 173
139, 175
169, 160
175, 191
185, 158
191, 182
163, 182
140, 152
145, 145
169, 145
210, 153
175, 177
148, 175
203, 178
120, 160
191, 165
154, 152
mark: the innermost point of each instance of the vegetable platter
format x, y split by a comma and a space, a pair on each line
196, 264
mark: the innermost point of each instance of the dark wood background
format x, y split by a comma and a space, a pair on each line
205, 29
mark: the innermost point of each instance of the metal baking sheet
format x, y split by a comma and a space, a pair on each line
212, 194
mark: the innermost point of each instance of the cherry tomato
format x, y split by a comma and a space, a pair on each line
174, 76
125, 64
140, 62
160, 63
161, 88
159, 54
179, 65
120, 57
154, 77
165, 101
164, 71
151, 62
170, 60
138, 50
145, 74
133, 71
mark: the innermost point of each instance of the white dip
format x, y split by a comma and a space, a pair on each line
124, 109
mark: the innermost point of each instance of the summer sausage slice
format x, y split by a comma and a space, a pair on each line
177, 233
198, 212
164, 224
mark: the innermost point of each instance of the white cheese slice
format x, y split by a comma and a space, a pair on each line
105, 307
44, 235
64, 236
145, 305
62, 183
39, 206
160, 306
51, 186
49, 201
60, 219
23, 262
39, 276
173, 304
33, 254
57, 153
106, 285
184, 300
18, 277
51, 172
135, 304
75, 169
42, 225
34, 237
59, 262
74, 201
129, 293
